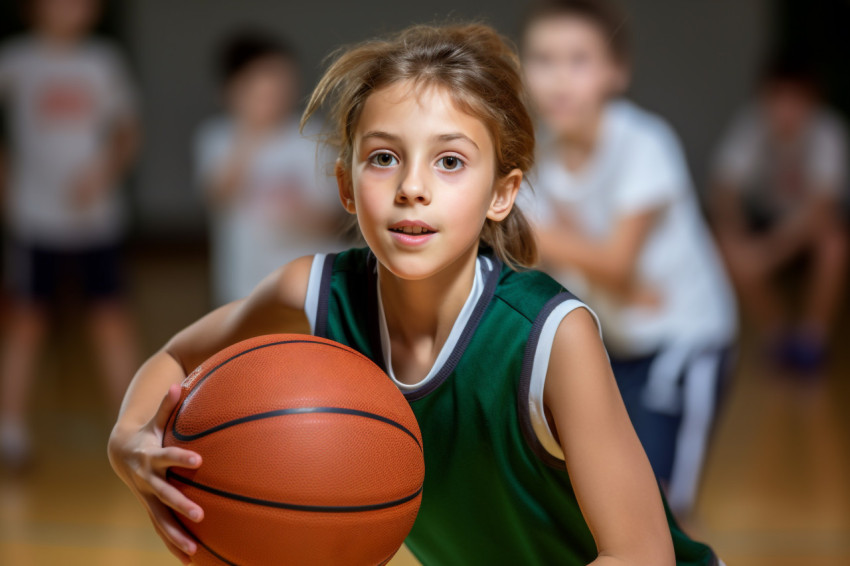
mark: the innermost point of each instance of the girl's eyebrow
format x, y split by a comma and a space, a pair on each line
442, 137
381, 135
457, 136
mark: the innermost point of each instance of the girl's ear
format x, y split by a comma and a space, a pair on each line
504, 195
343, 183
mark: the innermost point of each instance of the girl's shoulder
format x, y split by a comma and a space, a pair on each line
530, 292
526, 292
354, 260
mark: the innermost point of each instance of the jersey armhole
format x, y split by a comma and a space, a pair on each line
318, 288
536, 427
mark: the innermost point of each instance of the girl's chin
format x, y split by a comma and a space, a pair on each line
416, 263
419, 266
412, 268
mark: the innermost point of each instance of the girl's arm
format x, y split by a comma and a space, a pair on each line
135, 445
614, 484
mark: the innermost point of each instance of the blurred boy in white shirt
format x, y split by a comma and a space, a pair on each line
618, 222
270, 196
73, 134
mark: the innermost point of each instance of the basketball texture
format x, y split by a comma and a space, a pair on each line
311, 455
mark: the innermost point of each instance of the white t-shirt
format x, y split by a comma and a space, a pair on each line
61, 104
639, 166
780, 175
255, 234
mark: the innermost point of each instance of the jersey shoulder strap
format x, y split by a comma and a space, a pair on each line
347, 306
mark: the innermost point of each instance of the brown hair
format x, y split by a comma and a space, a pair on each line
477, 67
605, 15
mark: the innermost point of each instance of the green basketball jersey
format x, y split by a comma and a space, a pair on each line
492, 495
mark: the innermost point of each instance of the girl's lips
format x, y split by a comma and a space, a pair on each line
412, 239
412, 226
412, 232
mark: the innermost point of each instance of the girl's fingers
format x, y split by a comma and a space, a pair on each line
173, 456
166, 407
170, 530
173, 548
173, 498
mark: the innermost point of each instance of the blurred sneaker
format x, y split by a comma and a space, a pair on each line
804, 353
15, 446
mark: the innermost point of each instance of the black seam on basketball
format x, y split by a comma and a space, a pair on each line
295, 411
202, 543
294, 506
305, 340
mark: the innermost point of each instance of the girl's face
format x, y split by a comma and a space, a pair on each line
422, 180
570, 72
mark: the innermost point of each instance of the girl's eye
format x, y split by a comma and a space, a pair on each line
450, 163
383, 159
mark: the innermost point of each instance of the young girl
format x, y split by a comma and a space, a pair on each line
529, 452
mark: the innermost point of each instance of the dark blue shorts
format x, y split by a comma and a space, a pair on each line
40, 273
675, 438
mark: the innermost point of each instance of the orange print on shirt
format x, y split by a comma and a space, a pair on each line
61, 101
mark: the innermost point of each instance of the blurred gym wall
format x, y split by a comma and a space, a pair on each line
694, 64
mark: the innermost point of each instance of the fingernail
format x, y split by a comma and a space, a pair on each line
195, 515
194, 460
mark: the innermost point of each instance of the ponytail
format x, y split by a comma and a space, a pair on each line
511, 239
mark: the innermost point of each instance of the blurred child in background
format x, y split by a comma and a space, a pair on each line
72, 136
780, 177
270, 201
618, 221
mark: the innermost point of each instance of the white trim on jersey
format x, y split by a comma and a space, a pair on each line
540, 368
454, 336
314, 285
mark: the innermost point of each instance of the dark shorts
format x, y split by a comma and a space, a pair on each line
42, 274
676, 437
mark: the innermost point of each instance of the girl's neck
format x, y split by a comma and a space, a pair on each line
420, 314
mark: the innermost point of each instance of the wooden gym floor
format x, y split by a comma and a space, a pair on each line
775, 492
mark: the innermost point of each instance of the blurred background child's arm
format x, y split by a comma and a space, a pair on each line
609, 263
115, 159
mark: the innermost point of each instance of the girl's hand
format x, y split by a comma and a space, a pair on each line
141, 461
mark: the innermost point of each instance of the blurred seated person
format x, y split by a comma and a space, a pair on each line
777, 198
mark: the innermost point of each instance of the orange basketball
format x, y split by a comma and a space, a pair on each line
311, 455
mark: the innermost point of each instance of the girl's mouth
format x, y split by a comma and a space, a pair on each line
415, 230
412, 232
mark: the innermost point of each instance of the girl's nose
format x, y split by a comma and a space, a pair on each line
412, 188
